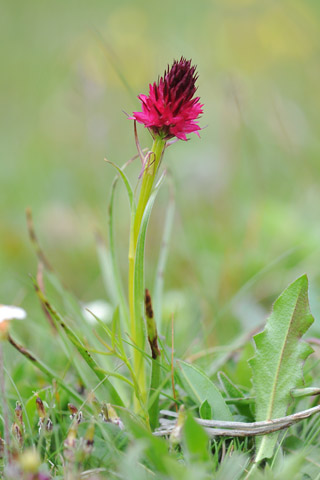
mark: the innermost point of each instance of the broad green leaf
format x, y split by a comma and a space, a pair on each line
156, 449
279, 356
196, 440
200, 388
243, 371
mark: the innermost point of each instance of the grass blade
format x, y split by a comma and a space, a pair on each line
50, 374
139, 260
158, 284
139, 288
121, 299
114, 396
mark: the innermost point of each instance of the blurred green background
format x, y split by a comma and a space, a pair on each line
247, 192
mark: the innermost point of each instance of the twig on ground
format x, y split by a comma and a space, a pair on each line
238, 429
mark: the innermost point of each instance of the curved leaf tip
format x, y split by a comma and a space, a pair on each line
277, 364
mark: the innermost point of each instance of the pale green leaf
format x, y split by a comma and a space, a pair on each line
196, 440
279, 356
200, 388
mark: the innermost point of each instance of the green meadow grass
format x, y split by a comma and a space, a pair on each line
245, 224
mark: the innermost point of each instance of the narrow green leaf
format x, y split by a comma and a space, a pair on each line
205, 411
158, 284
153, 396
277, 364
106, 267
229, 387
115, 273
50, 374
114, 396
116, 375
200, 388
114, 327
155, 382
71, 305
234, 392
139, 265
125, 181
138, 288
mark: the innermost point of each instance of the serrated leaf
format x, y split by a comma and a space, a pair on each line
277, 364
200, 388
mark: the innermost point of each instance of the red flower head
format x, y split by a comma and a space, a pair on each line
170, 109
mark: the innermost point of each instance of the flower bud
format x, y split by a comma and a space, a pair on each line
176, 434
109, 415
75, 413
40, 408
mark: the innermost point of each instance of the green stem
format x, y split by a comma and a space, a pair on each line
137, 333
149, 174
154, 386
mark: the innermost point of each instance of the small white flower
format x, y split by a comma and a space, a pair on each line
10, 312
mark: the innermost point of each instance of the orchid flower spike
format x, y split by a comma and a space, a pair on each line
171, 109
